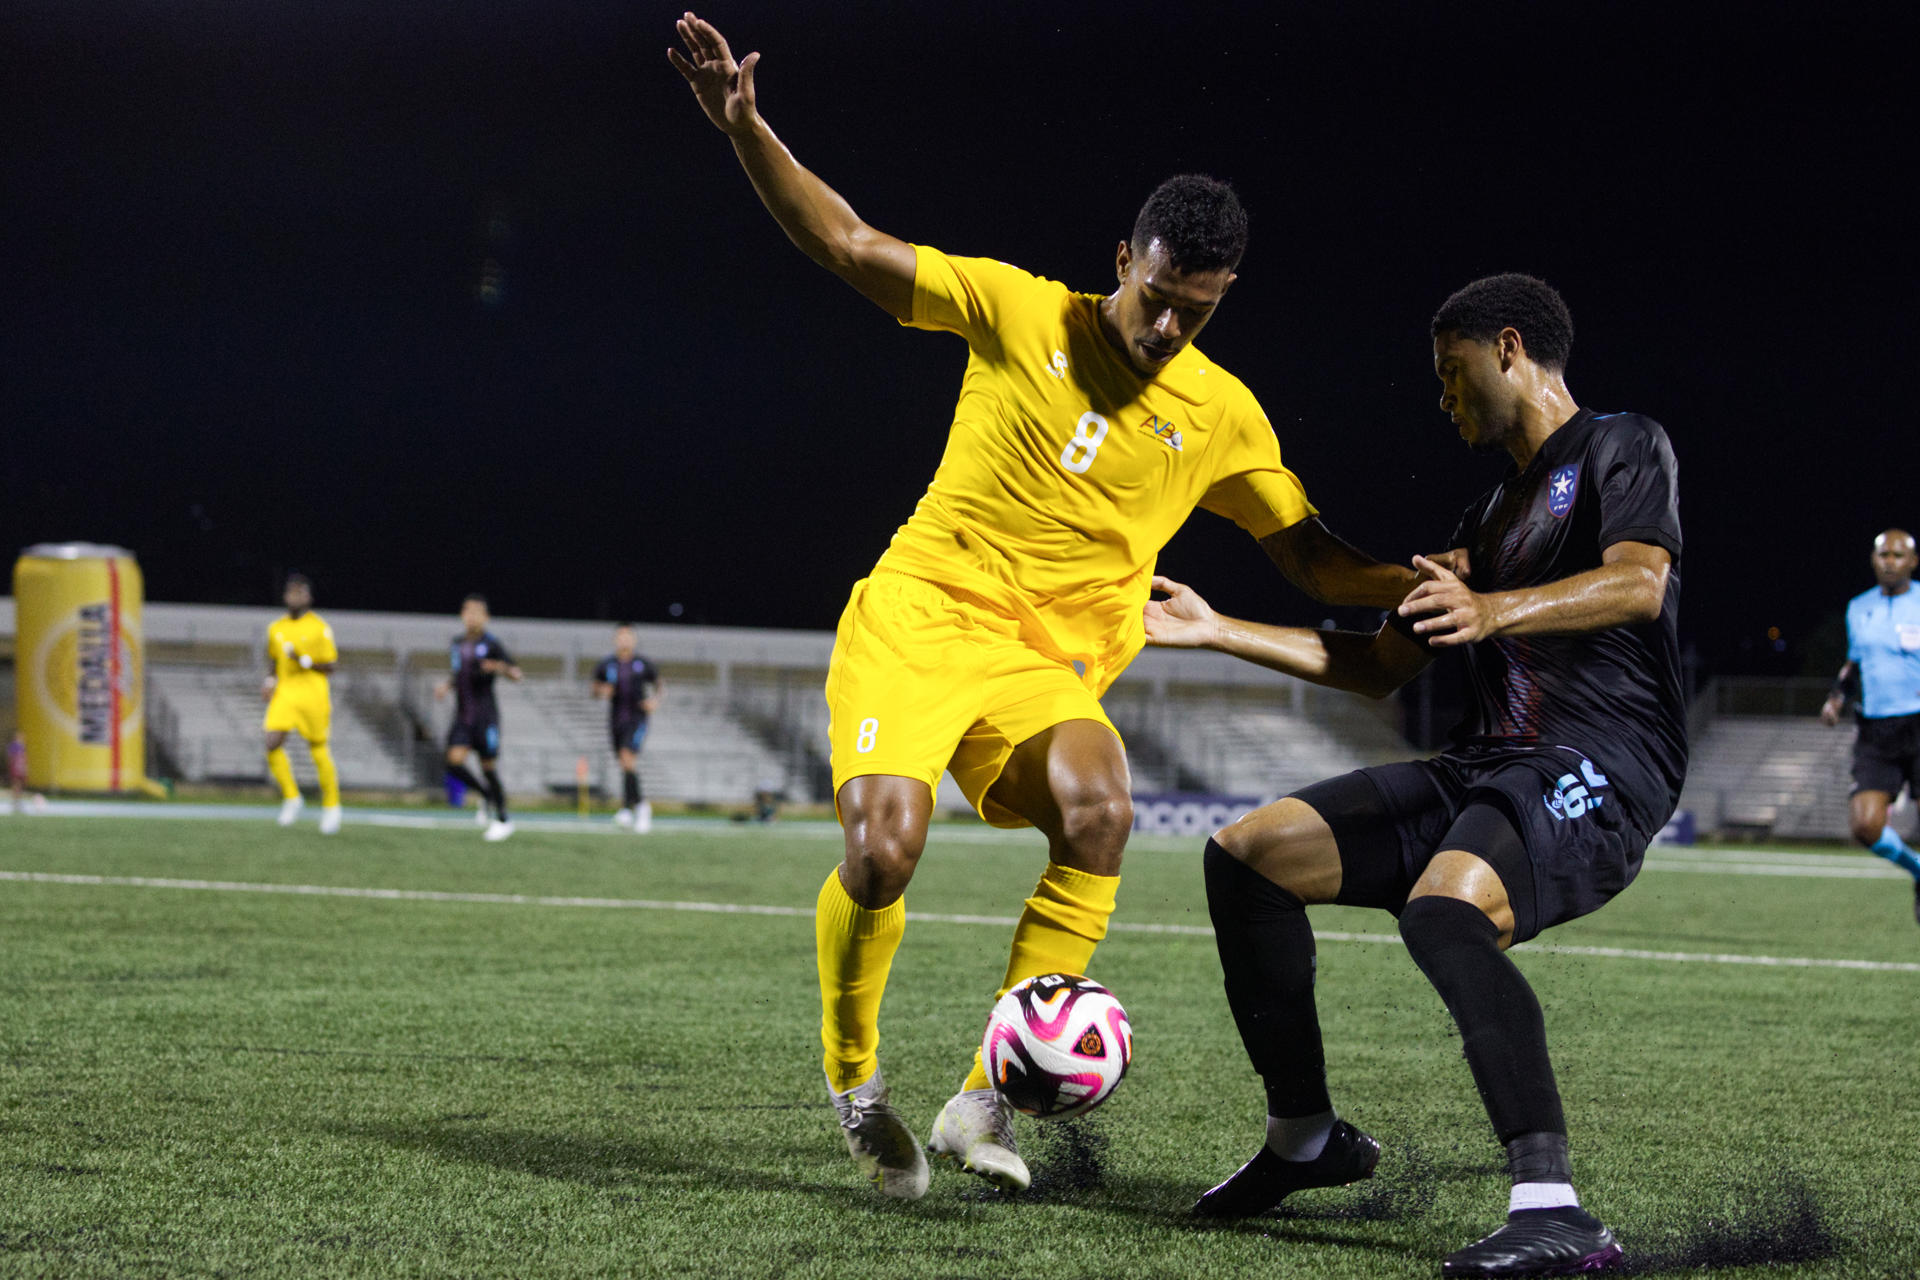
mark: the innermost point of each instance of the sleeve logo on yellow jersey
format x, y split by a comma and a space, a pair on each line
1059, 366
1163, 430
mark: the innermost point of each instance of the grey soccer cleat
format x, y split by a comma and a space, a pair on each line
975, 1132
882, 1147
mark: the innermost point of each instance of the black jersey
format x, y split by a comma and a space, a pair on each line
633, 683
472, 682
1613, 695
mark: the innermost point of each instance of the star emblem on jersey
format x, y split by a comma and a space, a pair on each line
1163, 431
1560, 489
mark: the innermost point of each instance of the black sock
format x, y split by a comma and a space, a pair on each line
1538, 1157
496, 793
1500, 1023
630, 788
464, 776
1267, 956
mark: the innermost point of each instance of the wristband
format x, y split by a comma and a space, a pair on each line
306, 663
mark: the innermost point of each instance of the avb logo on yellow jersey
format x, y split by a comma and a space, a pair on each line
1163, 431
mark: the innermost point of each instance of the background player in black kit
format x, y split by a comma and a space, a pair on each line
477, 658
631, 687
1569, 762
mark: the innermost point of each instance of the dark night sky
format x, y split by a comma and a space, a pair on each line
246, 239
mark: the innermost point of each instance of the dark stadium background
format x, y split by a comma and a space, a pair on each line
432, 297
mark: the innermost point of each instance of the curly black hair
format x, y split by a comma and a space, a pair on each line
1525, 303
1198, 220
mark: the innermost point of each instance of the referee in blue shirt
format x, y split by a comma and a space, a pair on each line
1883, 663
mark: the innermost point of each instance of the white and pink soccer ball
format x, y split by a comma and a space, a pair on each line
1057, 1045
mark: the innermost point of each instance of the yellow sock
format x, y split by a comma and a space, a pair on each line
323, 764
855, 949
1065, 919
282, 770
329, 776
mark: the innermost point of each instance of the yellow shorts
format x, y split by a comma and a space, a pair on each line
308, 717
923, 680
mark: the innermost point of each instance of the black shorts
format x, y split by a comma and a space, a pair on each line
629, 734
481, 734
1886, 755
1547, 821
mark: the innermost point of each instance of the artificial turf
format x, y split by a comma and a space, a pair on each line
226, 1082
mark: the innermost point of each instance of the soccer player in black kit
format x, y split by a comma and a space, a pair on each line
478, 658
631, 687
1569, 761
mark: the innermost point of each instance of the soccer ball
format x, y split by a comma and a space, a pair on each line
1057, 1045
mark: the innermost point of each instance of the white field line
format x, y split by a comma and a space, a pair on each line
1716, 861
921, 917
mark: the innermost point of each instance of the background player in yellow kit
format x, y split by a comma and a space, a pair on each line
1087, 430
301, 651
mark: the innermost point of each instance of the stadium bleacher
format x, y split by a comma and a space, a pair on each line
1786, 776
744, 712
212, 716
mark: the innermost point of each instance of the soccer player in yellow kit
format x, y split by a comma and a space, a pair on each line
301, 651
1088, 428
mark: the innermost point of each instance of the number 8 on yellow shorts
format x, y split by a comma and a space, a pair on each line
925, 681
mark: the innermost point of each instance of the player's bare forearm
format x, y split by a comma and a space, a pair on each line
1334, 571
1626, 590
824, 226
814, 216
602, 691
1348, 660
1843, 687
1374, 665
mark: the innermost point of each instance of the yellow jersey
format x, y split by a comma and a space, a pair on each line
1066, 471
288, 640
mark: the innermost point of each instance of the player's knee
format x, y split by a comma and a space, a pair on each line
1866, 831
883, 847
880, 865
1097, 819
1257, 838
1433, 924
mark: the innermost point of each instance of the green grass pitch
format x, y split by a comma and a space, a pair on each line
246, 1084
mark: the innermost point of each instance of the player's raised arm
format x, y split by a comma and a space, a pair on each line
1374, 665
813, 215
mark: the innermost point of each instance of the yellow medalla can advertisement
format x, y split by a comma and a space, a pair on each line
78, 667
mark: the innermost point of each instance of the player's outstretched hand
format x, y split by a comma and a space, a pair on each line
1456, 560
1183, 620
723, 86
1449, 614
1830, 710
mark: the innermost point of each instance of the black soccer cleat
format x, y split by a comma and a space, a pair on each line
1266, 1180
1539, 1242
